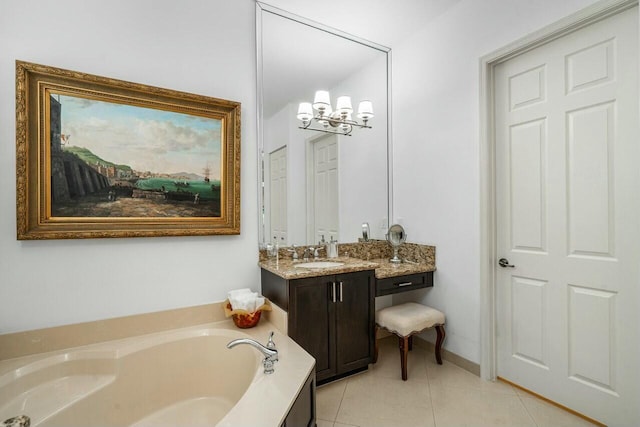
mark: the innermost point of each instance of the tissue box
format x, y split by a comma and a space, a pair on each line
242, 318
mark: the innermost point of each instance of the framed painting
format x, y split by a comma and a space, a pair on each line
99, 157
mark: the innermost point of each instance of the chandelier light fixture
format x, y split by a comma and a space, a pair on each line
329, 121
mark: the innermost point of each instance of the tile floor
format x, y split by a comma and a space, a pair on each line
433, 395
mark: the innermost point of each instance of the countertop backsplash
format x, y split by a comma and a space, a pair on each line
418, 258
370, 250
381, 249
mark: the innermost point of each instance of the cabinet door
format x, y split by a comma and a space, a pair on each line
355, 319
312, 321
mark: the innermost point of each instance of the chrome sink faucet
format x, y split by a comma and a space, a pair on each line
307, 253
309, 250
294, 252
270, 352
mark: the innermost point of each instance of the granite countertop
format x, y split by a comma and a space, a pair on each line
286, 269
388, 269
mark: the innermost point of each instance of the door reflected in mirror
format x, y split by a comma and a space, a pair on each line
315, 184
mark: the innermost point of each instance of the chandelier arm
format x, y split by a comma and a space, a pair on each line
326, 131
336, 122
305, 126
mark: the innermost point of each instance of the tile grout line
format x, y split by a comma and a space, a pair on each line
335, 419
523, 404
433, 412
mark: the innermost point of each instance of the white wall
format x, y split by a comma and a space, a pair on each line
436, 144
363, 156
200, 46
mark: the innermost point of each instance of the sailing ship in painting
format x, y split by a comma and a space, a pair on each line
206, 172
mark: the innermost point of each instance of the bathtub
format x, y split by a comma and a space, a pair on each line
184, 377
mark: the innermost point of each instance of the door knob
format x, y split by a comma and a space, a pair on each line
503, 262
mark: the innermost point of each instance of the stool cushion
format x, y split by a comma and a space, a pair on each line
403, 319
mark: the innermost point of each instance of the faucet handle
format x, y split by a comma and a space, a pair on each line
270, 343
19, 421
314, 251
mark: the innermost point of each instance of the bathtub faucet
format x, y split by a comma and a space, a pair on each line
270, 353
19, 421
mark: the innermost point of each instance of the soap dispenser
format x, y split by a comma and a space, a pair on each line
332, 248
276, 248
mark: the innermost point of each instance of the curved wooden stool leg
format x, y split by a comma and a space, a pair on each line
439, 339
404, 349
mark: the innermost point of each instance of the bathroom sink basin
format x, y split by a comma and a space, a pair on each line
319, 264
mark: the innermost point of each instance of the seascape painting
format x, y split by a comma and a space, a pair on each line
99, 157
119, 160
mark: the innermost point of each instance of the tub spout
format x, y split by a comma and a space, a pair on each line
270, 352
19, 421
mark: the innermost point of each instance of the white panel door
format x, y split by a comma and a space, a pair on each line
325, 188
278, 196
568, 214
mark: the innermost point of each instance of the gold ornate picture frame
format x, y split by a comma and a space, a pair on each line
99, 157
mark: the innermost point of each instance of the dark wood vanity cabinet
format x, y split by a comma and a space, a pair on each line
331, 317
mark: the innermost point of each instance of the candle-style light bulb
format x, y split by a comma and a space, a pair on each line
365, 110
322, 102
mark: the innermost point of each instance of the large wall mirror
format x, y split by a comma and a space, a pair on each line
314, 184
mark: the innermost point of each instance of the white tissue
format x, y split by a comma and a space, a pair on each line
232, 294
245, 299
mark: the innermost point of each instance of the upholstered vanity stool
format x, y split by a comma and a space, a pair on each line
406, 320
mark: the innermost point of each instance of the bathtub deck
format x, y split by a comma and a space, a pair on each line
49, 398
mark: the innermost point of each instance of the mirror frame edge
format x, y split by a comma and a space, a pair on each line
264, 7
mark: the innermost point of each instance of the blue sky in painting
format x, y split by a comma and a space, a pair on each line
143, 138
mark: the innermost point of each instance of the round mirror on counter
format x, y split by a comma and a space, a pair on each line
396, 237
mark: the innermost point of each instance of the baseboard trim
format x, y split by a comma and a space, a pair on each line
556, 404
459, 361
